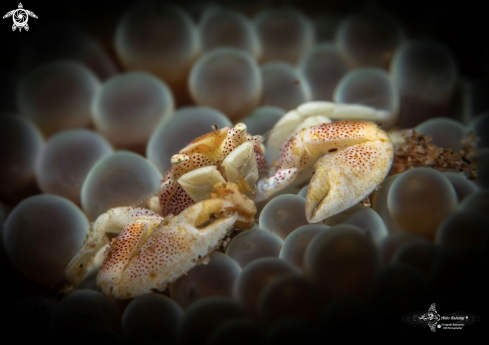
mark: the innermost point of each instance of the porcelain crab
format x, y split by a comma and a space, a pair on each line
209, 191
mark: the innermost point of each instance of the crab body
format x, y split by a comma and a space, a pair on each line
210, 188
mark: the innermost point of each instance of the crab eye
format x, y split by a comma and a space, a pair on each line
178, 159
241, 128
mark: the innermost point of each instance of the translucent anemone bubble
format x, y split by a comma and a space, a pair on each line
226, 79
480, 126
425, 73
84, 309
283, 214
151, 318
129, 106
379, 203
463, 187
284, 86
58, 96
445, 132
253, 244
418, 253
368, 86
158, 38
390, 244
21, 143
296, 243
119, 179
365, 218
66, 159
63, 41
289, 295
303, 191
285, 34
420, 199
262, 119
476, 202
341, 261
482, 161
326, 26
203, 317
254, 278
465, 227
42, 234
220, 27
174, 133
323, 67
369, 39
216, 278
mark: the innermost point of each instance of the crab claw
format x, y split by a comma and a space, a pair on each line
144, 258
347, 175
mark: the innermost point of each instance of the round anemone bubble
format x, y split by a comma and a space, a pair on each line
365, 218
418, 253
445, 132
226, 79
463, 187
284, 86
369, 39
393, 242
64, 41
262, 119
254, 278
368, 86
253, 244
289, 295
119, 179
66, 159
303, 191
21, 143
58, 96
129, 106
216, 278
323, 67
283, 214
420, 199
379, 203
151, 318
425, 73
476, 202
480, 126
82, 310
326, 26
160, 39
174, 133
285, 34
341, 261
296, 243
219, 27
464, 228
482, 161
291, 330
42, 234
204, 317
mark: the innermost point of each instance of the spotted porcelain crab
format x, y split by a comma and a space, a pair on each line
209, 191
